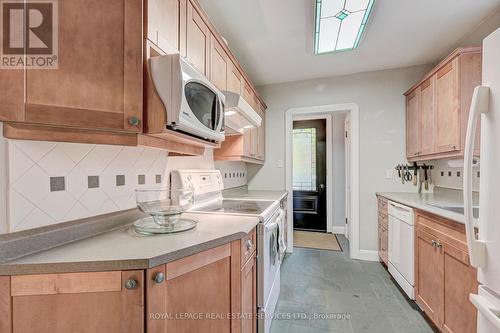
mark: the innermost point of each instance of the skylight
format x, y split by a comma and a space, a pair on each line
339, 24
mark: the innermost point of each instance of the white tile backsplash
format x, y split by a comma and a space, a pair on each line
451, 176
234, 174
28, 166
31, 164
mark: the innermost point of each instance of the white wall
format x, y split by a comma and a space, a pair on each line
338, 156
379, 96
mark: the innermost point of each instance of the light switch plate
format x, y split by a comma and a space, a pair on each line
389, 174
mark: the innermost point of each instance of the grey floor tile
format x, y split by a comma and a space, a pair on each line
326, 291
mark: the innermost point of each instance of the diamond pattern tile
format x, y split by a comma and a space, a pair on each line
32, 164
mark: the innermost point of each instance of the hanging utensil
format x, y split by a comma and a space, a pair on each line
420, 181
426, 179
415, 166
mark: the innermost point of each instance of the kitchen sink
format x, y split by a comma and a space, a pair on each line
457, 209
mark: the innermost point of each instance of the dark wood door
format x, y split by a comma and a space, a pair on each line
309, 175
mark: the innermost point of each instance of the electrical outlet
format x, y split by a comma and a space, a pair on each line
280, 163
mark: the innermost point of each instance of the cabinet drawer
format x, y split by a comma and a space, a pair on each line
248, 246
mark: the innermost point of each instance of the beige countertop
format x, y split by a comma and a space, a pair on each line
121, 249
427, 202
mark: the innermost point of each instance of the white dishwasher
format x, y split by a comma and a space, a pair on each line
402, 247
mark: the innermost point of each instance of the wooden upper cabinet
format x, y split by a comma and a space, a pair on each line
427, 117
412, 124
218, 64
98, 84
196, 47
444, 102
247, 92
447, 108
261, 144
163, 23
233, 78
106, 302
12, 94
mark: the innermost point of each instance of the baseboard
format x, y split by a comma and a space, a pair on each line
338, 230
367, 255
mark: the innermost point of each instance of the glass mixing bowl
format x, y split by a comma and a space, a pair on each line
164, 205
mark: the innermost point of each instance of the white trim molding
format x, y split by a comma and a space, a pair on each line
338, 230
318, 111
368, 255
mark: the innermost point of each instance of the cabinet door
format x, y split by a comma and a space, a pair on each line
458, 315
412, 124
98, 83
261, 146
249, 296
428, 275
12, 94
447, 108
75, 302
163, 24
233, 78
218, 64
247, 92
199, 284
247, 142
197, 45
427, 117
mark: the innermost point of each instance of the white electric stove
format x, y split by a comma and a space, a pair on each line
207, 186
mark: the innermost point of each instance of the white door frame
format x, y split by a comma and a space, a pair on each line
318, 111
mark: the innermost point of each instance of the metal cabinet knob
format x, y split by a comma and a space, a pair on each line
249, 244
159, 277
434, 243
131, 284
134, 121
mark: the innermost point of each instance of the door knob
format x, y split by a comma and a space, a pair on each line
321, 186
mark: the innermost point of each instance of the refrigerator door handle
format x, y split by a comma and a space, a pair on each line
486, 308
479, 105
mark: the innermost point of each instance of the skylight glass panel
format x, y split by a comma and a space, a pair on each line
339, 24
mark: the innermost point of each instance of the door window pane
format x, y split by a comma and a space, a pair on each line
304, 159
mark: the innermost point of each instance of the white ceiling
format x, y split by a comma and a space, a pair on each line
273, 38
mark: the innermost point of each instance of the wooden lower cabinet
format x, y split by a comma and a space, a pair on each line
73, 302
249, 296
383, 230
444, 277
212, 291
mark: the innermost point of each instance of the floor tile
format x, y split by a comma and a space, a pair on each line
326, 291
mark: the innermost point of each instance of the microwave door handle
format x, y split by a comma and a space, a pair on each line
479, 105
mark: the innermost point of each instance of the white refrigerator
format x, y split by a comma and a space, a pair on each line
484, 247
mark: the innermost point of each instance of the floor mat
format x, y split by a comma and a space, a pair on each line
316, 240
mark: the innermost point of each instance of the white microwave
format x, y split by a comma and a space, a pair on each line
194, 105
